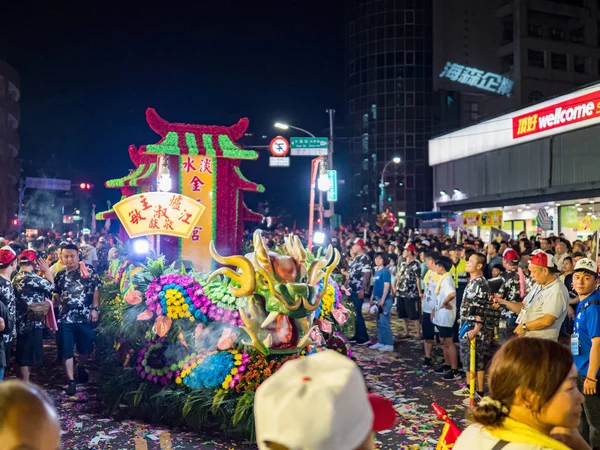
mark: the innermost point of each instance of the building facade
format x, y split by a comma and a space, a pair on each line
10, 116
538, 48
389, 103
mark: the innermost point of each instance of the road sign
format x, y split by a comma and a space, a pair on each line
279, 161
309, 146
54, 184
332, 194
279, 146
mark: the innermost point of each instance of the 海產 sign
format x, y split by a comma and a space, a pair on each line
159, 213
309, 146
560, 114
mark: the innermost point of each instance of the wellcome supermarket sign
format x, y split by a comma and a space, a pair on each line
568, 112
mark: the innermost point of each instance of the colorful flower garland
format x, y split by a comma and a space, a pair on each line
176, 296
162, 375
330, 300
214, 369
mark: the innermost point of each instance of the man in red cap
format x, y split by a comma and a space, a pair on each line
8, 264
360, 275
408, 291
30, 289
513, 289
543, 310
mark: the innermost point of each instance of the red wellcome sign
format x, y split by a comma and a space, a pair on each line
567, 112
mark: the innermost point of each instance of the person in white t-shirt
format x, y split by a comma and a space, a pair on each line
444, 315
430, 283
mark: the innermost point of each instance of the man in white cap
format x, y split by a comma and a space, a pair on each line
8, 264
319, 403
543, 310
585, 345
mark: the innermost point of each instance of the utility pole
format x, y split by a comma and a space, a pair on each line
331, 113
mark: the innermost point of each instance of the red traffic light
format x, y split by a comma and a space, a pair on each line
82, 186
15, 222
85, 186
319, 220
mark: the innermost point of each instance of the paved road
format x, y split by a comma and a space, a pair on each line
398, 375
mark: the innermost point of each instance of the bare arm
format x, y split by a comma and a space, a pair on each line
515, 307
386, 290
543, 322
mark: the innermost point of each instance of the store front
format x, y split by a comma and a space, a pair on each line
536, 166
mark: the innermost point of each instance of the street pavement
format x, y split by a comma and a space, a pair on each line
398, 376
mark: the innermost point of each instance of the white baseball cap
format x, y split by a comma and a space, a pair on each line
586, 265
319, 403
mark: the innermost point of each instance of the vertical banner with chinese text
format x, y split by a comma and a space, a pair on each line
196, 174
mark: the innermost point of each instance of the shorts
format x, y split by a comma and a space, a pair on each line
483, 354
80, 334
445, 332
408, 308
428, 327
30, 348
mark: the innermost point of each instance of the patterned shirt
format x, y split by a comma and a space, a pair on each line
511, 291
30, 288
76, 295
7, 296
358, 267
408, 277
477, 293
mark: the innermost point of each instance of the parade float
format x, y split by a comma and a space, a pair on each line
190, 346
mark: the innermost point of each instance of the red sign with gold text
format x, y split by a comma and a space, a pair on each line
573, 110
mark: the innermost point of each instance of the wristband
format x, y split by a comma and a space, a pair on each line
591, 379
95, 308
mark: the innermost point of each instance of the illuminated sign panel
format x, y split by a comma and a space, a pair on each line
487, 81
568, 112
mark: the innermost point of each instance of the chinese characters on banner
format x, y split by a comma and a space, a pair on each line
488, 81
197, 174
167, 213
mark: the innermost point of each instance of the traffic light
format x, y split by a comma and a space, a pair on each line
15, 222
318, 221
85, 186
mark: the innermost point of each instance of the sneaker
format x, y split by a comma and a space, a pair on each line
467, 401
464, 392
452, 375
427, 362
352, 340
387, 348
72, 388
82, 375
377, 346
367, 342
442, 369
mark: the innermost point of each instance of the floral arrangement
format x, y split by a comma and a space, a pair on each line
177, 297
260, 367
331, 299
339, 343
214, 369
152, 364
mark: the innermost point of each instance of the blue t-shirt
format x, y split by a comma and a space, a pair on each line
381, 276
587, 324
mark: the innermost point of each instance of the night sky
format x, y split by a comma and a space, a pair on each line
89, 73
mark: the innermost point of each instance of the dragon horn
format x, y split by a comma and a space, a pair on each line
289, 246
330, 269
260, 252
314, 272
299, 248
246, 279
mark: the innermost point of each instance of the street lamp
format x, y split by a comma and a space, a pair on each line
287, 126
395, 160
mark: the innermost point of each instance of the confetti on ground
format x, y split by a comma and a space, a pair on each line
397, 375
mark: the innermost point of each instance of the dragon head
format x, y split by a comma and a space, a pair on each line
282, 292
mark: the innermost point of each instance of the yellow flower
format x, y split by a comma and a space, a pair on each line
186, 306
228, 379
234, 371
238, 363
238, 357
225, 385
192, 319
178, 380
169, 301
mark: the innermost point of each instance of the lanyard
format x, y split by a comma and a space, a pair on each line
538, 291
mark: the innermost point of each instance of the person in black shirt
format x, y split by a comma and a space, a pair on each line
359, 277
8, 264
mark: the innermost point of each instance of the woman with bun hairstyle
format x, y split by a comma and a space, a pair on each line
533, 401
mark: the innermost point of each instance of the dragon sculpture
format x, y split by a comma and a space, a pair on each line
277, 293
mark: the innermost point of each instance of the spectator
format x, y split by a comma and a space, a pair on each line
327, 396
585, 346
8, 264
543, 310
28, 419
430, 282
76, 288
497, 270
102, 250
545, 245
359, 278
88, 252
382, 298
443, 317
561, 253
408, 291
494, 257
477, 294
461, 278
533, 401
513, 289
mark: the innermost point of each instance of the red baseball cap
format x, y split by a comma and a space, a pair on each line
543, 259
359, 242
7, 255
511, 255
28, 255
411, 248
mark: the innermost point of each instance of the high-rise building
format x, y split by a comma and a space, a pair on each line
499, 55
10, 117
389, 104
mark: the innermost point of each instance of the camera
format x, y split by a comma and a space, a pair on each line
484, 315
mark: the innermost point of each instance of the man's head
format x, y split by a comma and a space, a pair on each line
560, 247
585, 277
567, 265
69, 256
8, 259
27, 260
545, 244
28, 420
327, 398
542, 268
494, 248
443, 264
577, 256
456, 252
358, 246
510, 259
409, 251
476, 263
430, 259
503, 247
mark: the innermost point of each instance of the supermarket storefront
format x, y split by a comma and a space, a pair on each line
540, 162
